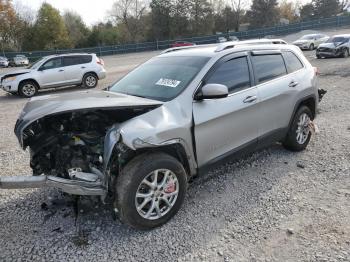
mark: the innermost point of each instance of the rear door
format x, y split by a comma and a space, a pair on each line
75, 67
277, 91
222, 126
51, 73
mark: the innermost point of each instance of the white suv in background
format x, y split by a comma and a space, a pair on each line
55, 71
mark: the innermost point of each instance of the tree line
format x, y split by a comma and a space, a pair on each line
131, 21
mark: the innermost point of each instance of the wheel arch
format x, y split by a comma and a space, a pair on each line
29, 79
310, 102
91, 72
175, 150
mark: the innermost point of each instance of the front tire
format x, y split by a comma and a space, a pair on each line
28, 89
345, 53
311, 47
299, 134
150, 190
90, 80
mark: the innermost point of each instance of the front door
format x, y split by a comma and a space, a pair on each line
222, 126
51, 73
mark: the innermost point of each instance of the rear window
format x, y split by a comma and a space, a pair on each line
77, 60
268, 67
292, 62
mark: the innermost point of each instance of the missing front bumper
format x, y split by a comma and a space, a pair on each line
69, 186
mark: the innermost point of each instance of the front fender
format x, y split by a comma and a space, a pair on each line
111, 139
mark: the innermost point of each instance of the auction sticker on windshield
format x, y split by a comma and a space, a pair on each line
168, 82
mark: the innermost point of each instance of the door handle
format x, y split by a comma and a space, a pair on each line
293, 84
83, 67
61, 70
250, 99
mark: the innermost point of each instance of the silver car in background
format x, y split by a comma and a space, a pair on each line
310, 42
55, 71
20, 60
4, 62
172, 118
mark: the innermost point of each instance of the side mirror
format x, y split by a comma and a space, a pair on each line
212, 91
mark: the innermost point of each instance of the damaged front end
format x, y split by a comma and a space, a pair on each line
72, 150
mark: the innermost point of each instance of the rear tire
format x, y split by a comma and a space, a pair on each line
311, 47
90, 80
28, 89
299, 134
150, 190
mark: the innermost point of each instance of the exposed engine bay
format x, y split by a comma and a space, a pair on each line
72, 143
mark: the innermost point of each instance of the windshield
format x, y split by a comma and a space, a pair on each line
36, 64
307, 37
161, 78
337, 39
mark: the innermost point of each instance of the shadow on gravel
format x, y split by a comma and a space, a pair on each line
91, 223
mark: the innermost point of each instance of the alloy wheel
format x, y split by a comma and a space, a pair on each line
303, 129
90, 81
157, 194
28, 90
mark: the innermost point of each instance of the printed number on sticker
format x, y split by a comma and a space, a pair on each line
168, 82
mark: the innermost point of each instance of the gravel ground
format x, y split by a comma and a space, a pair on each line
272, 206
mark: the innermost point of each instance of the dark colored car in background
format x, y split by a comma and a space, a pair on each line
336, 46
182, 43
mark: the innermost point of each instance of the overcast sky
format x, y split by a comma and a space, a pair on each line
92, 11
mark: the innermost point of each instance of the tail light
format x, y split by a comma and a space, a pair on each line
317, 71
100, 61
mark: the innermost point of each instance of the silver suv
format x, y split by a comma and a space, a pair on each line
55, 71
170, 119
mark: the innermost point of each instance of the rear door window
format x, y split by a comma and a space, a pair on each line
71, 60
233, 73
77, 60
268, 67
292, 62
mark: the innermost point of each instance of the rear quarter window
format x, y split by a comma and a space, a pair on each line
85, 59
293, 63
268, 67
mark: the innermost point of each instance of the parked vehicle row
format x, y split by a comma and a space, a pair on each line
165, 122
18, 60
310, 42
55, 71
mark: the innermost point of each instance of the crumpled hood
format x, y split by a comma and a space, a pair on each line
14, 73
42, 106
331, 45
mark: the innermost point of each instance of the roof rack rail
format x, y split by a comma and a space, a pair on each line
226, 45
173, 49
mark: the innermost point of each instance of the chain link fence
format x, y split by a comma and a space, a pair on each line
337, 21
